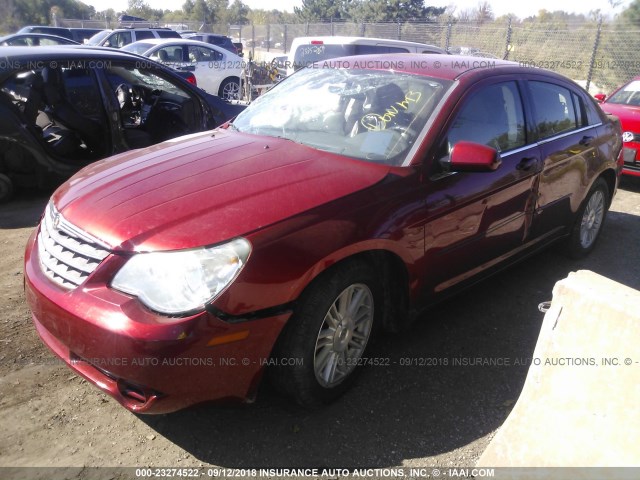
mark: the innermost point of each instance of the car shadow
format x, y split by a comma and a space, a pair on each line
631, 184
451, 380
24, 209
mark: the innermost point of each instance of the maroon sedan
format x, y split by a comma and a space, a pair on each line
338, 205
625, 104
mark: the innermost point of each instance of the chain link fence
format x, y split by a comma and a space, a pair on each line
600, 56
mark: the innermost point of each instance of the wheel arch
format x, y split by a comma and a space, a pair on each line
609, 176
389, 265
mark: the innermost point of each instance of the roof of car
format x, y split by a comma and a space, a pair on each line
340, 39
18, 58
179, 41
37, 35
449, 67
220, 35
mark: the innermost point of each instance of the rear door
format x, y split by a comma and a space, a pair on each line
209, 67
569, 143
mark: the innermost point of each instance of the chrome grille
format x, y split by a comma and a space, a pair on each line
67, 254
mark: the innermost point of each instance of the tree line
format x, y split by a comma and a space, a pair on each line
17, 13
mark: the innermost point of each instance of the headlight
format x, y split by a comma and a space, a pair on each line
182, 281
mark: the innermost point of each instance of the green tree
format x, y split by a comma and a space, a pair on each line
201, 12
237, 13
632, 13
321, 10
391, 11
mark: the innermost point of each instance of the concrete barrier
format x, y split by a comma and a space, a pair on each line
580, 405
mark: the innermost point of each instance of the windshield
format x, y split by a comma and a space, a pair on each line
137, 47
627, 95
373, 115
98, 37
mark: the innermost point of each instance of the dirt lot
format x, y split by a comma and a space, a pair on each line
396, 416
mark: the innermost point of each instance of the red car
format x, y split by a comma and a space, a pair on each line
625, 104
340, 204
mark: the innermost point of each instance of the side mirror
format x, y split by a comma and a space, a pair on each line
601, 97
473, 157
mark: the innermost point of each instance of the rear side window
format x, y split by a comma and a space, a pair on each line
554, 109
82, 91
492, 116
168, 34
201, 54
144, 34
372, 49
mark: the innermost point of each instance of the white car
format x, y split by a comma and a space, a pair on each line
217, 70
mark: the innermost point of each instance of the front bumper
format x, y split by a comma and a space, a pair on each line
134, 355
631, 156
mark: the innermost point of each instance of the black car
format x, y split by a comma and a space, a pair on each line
81, 35
62, 108
214, 39
58, 31
34, 40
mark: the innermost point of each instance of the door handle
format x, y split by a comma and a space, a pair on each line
586, 141
526, 164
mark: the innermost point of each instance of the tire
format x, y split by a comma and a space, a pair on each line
318, 356
6, 188
589, 221
229, 89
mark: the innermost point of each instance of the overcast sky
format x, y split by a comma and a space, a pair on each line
500, 7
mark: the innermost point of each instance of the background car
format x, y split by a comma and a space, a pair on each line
34, 40
624, 103
340, 205
120, 37
307, 50
63, 108
217, 70
82, 35
214, 39
57, 31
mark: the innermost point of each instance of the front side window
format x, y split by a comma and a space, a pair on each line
170, 54
120, 39
554, 109
372, 115
492, 116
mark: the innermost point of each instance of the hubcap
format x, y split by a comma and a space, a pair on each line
343, 335
592, 219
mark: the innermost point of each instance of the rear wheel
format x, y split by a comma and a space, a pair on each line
230, 89
589, 221
320, 352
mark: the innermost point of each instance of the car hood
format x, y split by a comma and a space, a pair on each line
205, 188
629, 115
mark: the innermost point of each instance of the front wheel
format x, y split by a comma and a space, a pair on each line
321, 350
589, 221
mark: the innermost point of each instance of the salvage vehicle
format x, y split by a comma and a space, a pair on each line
338, 205
62, 108
624, 103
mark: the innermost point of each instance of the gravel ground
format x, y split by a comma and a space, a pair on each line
415, 416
